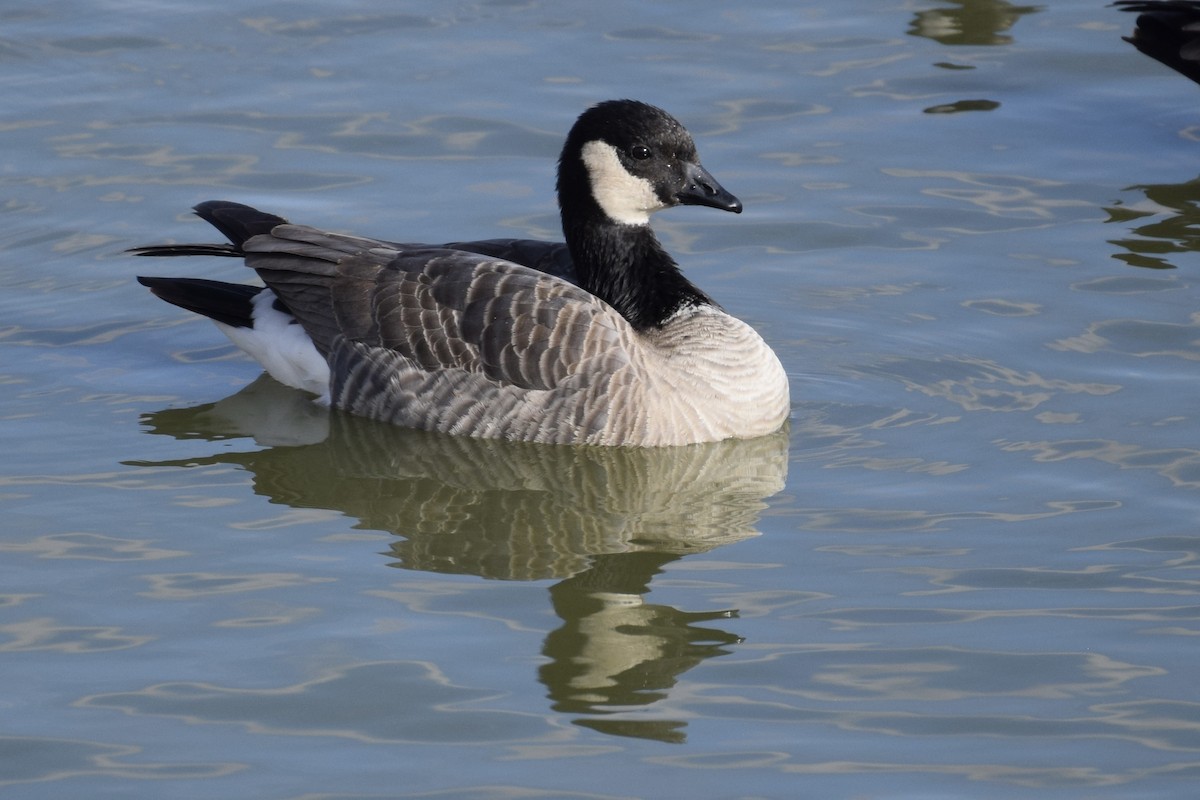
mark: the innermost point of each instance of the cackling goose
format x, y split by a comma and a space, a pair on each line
600, 340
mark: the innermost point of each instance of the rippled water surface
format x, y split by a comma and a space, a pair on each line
967, 569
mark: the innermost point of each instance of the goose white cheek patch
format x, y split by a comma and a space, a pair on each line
625, 198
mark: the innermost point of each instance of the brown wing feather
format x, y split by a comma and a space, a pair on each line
449, 340
439, 307
300, 264
446, 309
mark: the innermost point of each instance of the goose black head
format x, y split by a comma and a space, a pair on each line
632, 159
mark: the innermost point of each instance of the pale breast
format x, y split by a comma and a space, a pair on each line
704, 376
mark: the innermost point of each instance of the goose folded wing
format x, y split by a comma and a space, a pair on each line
494, 287
301, 265
452, 310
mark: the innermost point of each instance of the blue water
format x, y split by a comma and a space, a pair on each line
967, 569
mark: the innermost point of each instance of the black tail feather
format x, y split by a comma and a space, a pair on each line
187, 250
236, 221
224, 302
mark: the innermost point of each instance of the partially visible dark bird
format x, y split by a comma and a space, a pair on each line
1168, 31
600, 340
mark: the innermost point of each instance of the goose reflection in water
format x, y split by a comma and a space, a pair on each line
970, 22
602, 520
1163, 223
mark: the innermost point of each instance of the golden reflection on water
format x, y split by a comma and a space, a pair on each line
970, 22
1138, 337
1005, 196
375, 702
37, 759
1032, 777
44, 633
1167, 223
194, 585
980, 384
90, 546
1179, 465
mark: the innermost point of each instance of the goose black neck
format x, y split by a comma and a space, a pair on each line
626, 267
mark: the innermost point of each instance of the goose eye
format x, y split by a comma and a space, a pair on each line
640, 152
